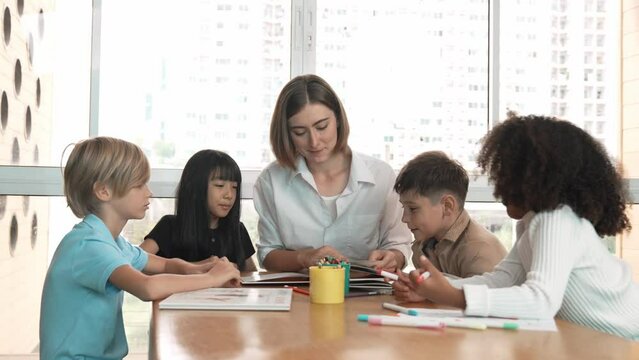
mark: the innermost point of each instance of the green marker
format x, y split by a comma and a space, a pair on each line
510, 326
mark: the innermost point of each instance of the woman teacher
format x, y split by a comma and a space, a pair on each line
320, 198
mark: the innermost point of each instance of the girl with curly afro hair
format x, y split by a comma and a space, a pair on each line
567, 193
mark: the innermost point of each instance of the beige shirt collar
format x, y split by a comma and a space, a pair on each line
458, 227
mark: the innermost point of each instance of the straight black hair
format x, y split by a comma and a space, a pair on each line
192, 210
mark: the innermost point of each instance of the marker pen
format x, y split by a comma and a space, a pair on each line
400, 309
425, 275
401, 321
387, 274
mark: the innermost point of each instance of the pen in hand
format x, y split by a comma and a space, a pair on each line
425, 275
387, 274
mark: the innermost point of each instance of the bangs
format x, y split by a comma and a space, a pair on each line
141, 175
226, 171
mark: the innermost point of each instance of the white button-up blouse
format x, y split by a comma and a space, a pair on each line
294, 216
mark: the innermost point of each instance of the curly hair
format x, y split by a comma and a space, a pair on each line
539, 163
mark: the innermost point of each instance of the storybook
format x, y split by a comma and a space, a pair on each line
359, 280
364, 277
282, 278
260, 299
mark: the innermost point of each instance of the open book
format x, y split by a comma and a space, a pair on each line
364, 281
278, 299
282, 278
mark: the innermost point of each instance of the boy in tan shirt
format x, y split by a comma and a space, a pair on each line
432, 188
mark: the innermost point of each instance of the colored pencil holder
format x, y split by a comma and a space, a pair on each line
347, 277
347, 274
327, 284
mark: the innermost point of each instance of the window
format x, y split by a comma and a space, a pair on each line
552, 83
371, 63
181, 76
588, 92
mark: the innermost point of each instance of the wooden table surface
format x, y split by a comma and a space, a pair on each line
312, 331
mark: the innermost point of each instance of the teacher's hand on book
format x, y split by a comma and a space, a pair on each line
386, 260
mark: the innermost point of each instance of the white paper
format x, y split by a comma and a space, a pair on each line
231, 299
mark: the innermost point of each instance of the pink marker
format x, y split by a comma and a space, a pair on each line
425, 275
404, 321
387, 274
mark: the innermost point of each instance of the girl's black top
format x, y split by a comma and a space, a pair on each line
164, 231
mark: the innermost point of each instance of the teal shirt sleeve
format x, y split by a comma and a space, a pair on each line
95, 260
138, 257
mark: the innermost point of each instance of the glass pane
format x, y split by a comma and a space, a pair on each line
411, 74
561, 58
44, 100
493, 217
194, 75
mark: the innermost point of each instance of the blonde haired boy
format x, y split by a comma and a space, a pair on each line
105, 183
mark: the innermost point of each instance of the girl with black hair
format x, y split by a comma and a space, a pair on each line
567, 193
206, 225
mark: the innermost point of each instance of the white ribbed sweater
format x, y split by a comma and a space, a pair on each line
558, 266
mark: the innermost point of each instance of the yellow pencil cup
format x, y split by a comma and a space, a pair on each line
327, 284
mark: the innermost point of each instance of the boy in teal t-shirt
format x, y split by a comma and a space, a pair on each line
105, 183
78, 301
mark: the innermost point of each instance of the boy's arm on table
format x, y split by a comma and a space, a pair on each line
159, 286
160, 265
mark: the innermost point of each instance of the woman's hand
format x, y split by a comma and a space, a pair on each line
436, 287
311, 257
386, 259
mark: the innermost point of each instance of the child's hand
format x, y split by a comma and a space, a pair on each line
384, 260
223, 273
311, 257
214, 260
403, 289
200, 268
233, 283
211, 260
435, 288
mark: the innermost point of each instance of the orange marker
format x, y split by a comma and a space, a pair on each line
298, 290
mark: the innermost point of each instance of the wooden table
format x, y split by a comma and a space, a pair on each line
311, 331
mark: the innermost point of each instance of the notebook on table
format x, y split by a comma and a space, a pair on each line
364, 281
282, 278
264, 299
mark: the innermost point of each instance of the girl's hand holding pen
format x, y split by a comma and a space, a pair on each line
435, 287
404, 291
